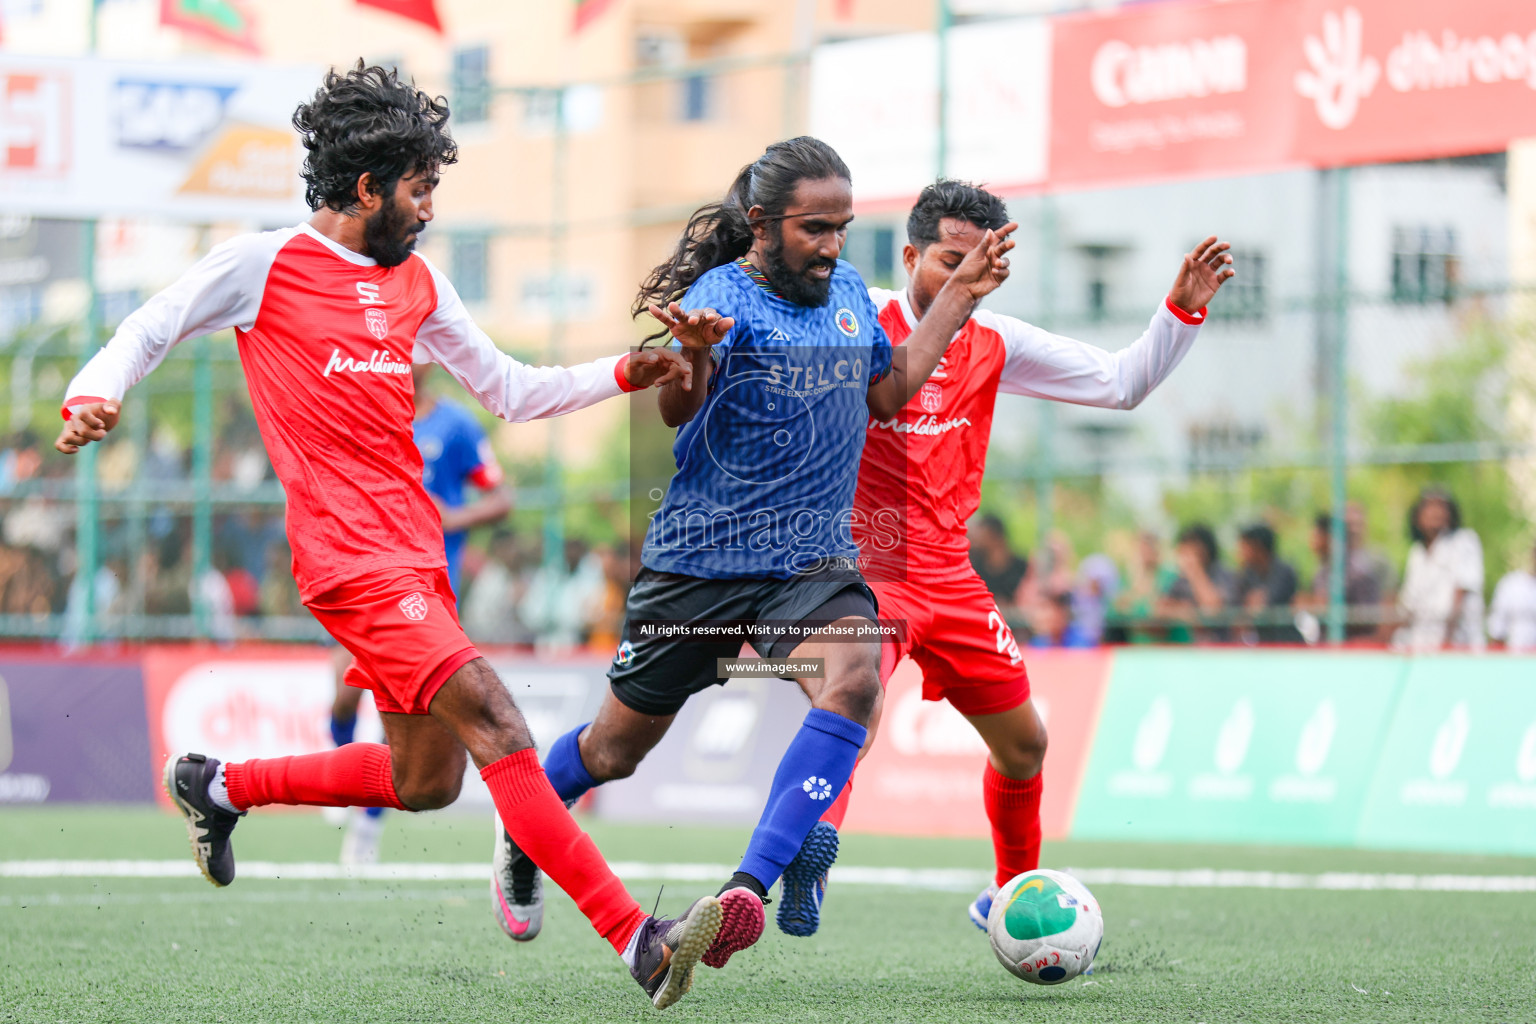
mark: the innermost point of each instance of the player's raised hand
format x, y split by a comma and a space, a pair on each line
657, 366
986, 266
86, 424
1206, 268
696, 328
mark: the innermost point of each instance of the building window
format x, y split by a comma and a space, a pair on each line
469, 266
698, 97
872, 251
1100, 262
1424, 264
472, 84
1244, 298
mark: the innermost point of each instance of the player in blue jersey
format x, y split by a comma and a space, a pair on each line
455, 455
754, 529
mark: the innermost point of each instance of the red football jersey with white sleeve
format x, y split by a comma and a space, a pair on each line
327, 338
926, 463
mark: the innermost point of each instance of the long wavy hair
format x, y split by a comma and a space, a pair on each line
721, 232
366, 119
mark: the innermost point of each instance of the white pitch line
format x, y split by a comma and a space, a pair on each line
942, 879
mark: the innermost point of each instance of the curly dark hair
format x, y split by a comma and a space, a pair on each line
721, 232
366, 119
959, 200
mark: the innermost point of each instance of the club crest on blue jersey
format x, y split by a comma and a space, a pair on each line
847, 322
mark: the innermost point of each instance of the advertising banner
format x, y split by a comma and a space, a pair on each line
1189, 89
272, 701
923, 775
876, 103
717, 760
186, 141
1237, 746
1458, 770
72, 730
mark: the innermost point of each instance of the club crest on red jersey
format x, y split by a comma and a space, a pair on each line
377, 322
931, 396
847, 322
414, 606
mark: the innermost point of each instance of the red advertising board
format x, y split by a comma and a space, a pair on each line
1184, 89
923, 774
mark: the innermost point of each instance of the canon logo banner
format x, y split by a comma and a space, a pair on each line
1123, 74
1166, 90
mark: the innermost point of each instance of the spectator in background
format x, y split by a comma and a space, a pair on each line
605, 617
492, 599
1000, 567
1366, 576
1442, 598
1264, 588
555, 606
279, 594
1098, 581
1051, 624
1512, 617
1150, 578
1204, 587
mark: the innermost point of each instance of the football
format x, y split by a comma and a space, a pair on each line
1045, 927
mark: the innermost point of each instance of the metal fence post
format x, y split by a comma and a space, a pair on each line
202, 481
87, 547
1338, 416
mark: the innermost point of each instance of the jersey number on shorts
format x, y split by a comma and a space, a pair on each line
1006, 644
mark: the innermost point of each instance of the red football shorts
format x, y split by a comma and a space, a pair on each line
402, 627
959, 639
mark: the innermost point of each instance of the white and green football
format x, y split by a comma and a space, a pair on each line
1045, 927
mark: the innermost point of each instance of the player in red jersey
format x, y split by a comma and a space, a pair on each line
927, 462
329, 317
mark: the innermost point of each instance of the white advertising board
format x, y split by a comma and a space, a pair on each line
185, 141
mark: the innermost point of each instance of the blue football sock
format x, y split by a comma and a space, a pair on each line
342, 730
563, 767
811, 774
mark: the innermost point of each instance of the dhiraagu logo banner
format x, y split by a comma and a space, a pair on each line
1458, 770
1236, 746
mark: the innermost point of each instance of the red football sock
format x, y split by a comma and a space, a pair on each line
356, 775
543, 829
839, 809
1013, 808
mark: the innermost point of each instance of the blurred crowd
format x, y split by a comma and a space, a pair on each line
1185, 589
1149, 588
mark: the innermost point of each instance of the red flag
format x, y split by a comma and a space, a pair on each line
424, 11
224, 21
588, 11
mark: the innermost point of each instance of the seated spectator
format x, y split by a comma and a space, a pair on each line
1367, 578
1052, 624
1000, 567
491, 600
1150, 578
1264, 588
1512, 617
1442, 599
279, 594
1097, 583
1203, 590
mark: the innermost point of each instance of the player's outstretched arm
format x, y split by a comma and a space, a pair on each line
697, 332
1044, 365
979, 274
221, 290
517, 392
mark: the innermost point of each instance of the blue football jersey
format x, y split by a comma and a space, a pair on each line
767, 468
454, 451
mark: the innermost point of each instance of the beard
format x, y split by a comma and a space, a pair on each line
391, 233
798, 286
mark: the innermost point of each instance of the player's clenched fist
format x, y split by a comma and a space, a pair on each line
655, 367
86, 424
695, 328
